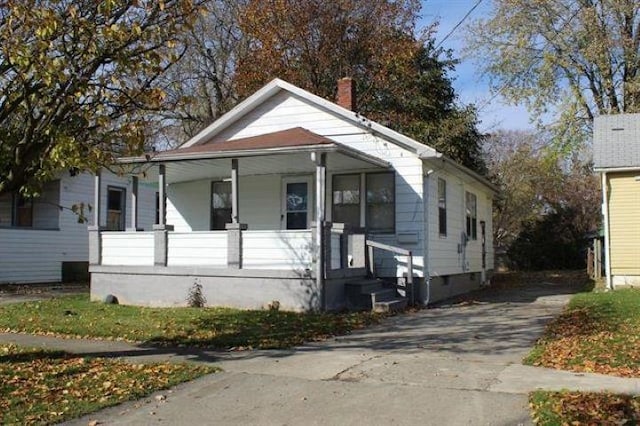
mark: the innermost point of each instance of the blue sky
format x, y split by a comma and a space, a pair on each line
469, 83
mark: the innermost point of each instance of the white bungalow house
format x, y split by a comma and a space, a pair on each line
41, 238
295, 199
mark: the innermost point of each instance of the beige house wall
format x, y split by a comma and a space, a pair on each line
624, 223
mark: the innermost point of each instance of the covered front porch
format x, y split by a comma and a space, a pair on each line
246, 220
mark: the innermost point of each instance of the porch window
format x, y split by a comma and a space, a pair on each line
116, 208
380, 202
442, 207
472, 215
22, 211
220, 205
346, 199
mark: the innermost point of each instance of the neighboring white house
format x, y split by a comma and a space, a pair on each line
42, 240
281, 198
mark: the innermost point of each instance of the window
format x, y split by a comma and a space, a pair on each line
346, 199
115, 208
472, 215
380, 189
157, 222
22, 211
220, 205
442, 207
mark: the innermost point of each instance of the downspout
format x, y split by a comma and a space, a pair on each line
607, 235
426, 241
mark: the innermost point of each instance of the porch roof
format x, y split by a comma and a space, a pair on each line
282, 152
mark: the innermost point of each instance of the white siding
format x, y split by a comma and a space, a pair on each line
276, 250
444, 257
285, 111
127, 248
197, 248
28, 255
188, 203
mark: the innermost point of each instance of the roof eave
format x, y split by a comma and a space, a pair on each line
166, 158
615, 169
476, 176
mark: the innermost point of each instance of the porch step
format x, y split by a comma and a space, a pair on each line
394, 305
372, 294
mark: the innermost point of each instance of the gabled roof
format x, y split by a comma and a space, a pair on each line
276, 86
289, 141
616, 141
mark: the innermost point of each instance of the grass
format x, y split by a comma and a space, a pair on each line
41, 387
582, 408
221, 328
598, 332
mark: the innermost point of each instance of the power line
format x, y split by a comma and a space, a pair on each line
464, 18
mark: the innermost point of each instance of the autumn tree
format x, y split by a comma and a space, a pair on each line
78, 80
577, 59
402, 80
200, 86
547, 203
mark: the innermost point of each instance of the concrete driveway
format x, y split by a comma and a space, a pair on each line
438, 366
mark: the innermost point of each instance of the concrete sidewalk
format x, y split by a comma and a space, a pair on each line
455, 364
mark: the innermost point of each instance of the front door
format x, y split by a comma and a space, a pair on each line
297, 202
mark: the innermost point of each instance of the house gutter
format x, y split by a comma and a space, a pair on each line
607, 235
476, 176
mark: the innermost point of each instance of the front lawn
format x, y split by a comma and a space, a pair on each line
40, 387
223, 328
581, 408
598, 332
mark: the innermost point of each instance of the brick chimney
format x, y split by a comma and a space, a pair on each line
346, 97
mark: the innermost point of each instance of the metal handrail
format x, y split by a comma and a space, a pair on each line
398, 250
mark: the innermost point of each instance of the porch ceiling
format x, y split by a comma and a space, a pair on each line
289, 163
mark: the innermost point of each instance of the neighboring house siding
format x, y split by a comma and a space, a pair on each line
285, 110
624, 223
36, 255
444, 256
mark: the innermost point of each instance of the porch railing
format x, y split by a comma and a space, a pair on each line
291, 250
127, 248
371, 265
197, 248
277, 250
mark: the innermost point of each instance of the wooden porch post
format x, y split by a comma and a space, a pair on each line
321, 174
134, 205
95, 243
97, 198
235, 228
162, 195
235, 214
161, 229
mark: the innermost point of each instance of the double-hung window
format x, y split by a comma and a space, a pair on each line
116, 198
220, 205
375, 202
22, 211
346, 199
442, 207
472, 215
